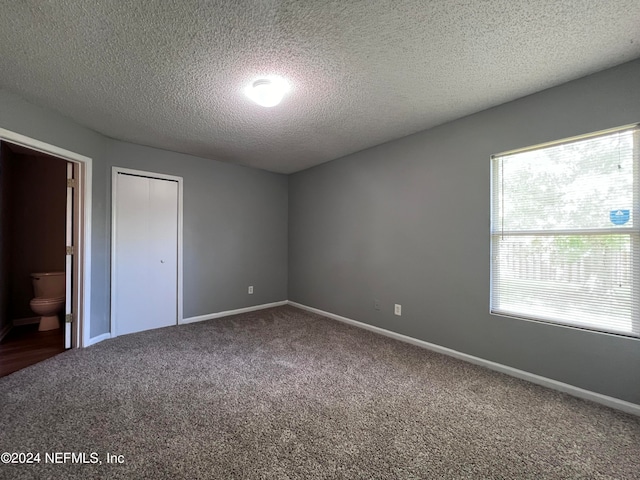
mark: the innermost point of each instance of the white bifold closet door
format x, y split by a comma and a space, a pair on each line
146, 253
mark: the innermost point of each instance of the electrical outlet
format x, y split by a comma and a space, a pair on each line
251, 290
398, 309
376, 304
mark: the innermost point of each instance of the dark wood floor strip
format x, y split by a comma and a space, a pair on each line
25, 345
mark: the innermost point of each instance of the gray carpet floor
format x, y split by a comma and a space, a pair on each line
282, 393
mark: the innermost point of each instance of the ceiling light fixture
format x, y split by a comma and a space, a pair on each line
267, 92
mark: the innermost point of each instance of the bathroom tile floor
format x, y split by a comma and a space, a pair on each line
25, 345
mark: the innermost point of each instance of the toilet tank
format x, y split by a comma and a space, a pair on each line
48, 284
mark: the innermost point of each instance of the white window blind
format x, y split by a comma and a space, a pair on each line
565, 233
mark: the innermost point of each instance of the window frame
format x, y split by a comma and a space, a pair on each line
633, 232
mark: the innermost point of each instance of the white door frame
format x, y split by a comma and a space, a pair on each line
69, 268
82, 265
161, 176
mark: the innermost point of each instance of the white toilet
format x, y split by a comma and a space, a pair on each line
49, 289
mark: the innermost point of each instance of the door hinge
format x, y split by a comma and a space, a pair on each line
71, 182
68, 318
70, 250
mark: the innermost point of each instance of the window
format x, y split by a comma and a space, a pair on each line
565, 237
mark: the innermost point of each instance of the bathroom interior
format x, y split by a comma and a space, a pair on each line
32, 256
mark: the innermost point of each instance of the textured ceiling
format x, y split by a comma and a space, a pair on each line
171, 74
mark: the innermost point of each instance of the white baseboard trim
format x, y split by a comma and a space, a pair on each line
17, 322
5, 330
98, 339
211, 316
612, 402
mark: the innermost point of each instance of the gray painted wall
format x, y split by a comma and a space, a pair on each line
235, 218
48, 126
408, 222
235, 228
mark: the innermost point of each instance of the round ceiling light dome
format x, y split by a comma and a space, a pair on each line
267, 92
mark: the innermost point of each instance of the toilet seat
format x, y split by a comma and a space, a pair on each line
47, 301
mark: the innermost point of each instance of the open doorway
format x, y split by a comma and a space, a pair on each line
40, 281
